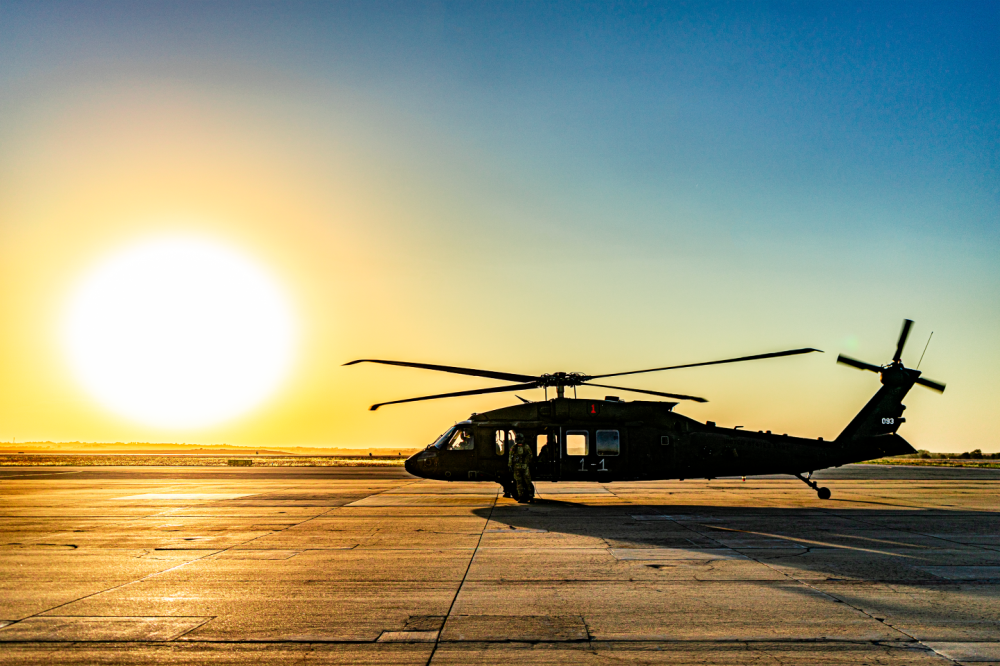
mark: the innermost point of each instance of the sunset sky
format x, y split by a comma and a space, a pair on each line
527, 187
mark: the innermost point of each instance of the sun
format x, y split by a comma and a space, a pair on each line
179, 332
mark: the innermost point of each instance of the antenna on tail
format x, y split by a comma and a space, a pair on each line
925, 349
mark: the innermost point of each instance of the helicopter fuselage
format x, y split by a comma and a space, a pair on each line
613, 440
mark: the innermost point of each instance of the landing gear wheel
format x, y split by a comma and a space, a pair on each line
824, 493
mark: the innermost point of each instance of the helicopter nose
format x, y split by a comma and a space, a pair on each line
410, 465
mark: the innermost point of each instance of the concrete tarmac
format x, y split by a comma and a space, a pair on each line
370, 565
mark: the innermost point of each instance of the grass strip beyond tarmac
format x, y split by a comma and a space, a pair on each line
937, 462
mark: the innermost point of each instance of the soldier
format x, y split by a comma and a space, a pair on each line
519, 458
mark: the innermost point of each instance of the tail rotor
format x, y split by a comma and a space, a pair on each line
895, 367
872, 432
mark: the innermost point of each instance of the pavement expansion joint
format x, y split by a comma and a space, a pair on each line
518, 628
102, 628
408, 637
258, 554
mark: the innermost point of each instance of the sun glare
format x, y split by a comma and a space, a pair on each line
179, 332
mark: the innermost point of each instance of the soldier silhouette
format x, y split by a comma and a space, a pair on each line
519, 458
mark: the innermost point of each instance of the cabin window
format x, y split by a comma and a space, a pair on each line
543, 439
504, 440
576, 444
608, 443
461, 441
665, 440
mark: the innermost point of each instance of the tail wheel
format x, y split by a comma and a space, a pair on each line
824, 493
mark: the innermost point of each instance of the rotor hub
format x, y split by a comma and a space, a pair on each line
558, 379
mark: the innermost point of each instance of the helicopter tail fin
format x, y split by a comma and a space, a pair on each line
872, 433
881, 416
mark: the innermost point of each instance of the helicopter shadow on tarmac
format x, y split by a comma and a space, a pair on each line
703, 542
913, 573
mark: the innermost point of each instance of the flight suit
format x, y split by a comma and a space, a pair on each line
519, 458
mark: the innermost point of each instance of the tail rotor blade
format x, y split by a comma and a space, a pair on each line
903, 334
860, 365
936, 386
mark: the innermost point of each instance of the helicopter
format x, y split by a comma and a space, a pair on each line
616, 440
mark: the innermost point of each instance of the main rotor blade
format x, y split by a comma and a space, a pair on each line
659, 393
790, 352
903, 334
861, 365
931, 384
505, 376
498, 389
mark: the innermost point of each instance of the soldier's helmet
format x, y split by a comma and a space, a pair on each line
519, 438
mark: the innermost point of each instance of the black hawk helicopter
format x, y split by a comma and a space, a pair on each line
613, 440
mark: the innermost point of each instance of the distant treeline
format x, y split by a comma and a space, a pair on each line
975, 454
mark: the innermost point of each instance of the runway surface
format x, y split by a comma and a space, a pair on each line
369, 565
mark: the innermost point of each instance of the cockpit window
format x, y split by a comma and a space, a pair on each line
461, 441
440, 442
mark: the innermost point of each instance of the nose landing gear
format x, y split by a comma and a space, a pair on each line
823, 493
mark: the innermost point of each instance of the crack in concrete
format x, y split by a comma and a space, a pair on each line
486, 523
805, 551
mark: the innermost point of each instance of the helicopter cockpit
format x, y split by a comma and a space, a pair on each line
455, 438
